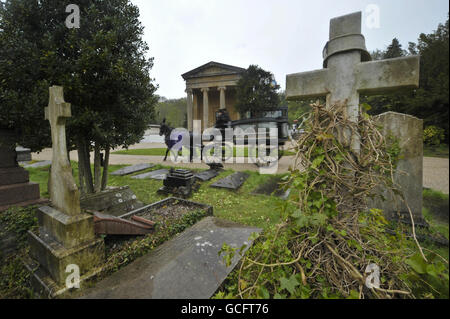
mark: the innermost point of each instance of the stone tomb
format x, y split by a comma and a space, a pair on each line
407, 130
65, 236
15, 188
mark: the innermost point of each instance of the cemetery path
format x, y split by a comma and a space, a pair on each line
435, 170
435, 174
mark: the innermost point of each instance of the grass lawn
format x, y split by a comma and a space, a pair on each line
238, 206
436, 151
162, 152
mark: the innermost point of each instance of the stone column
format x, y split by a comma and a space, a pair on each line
189, 109
205, 107
222, 97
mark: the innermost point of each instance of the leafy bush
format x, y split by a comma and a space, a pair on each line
433, 135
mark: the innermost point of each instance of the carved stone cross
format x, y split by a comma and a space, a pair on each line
63, 190
347, 72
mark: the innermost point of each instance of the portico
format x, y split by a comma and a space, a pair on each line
209, 88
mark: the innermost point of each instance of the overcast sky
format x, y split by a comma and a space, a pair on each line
282, 36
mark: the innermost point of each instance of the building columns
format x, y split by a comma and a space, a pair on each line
205, 108
189, 109
222, 97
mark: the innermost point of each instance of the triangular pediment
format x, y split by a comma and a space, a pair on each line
212, 69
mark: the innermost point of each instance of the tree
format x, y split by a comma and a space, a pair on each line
173, 110
256, 90
102, 66
430, 101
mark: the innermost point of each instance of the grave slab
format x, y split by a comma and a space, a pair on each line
271, 187
233, 181
159, 174
207, 175
38, 164
132, 169
185, 267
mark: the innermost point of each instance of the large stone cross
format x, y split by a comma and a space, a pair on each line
63, 190
347, 72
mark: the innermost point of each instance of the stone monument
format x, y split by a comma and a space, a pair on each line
15, 188
407, 131
347, 73
66, 236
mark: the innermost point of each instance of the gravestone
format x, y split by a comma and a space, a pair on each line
23, 154
113, 201
65, 236
38, 164
233, 181
407, 131
159, 174
132, 169
272, 187
207, 175
348, 72
179, 182
15, 188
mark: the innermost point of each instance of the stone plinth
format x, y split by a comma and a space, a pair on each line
15, 188
407, 131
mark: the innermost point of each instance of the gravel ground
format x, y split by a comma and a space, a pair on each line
435, 170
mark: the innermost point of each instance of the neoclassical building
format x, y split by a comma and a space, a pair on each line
211, 87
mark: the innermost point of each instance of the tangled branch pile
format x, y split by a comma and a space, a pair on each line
328, 235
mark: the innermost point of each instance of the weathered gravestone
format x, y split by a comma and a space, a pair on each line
66, 236
159, 174
348, 72
407, 131
15, 188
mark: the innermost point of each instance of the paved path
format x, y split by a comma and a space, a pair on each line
435, 170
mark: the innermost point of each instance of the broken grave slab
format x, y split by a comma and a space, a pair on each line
233, 181
185, 267
159, 174
132, 169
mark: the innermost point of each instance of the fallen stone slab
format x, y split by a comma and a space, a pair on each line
185, 267
38, 164
233, 181
132, 169
159, 174
207, 175
272, 187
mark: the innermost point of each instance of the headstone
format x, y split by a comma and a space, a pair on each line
348, 72
132, 169
15, 188
114, 201
233, 181
207, 175
23, 154
159, 174
185, 267
65, 236
407, 131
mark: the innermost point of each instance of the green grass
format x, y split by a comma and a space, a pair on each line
239, 206
436, 151
162, 152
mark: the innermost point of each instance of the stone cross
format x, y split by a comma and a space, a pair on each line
63, 190
347, 72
